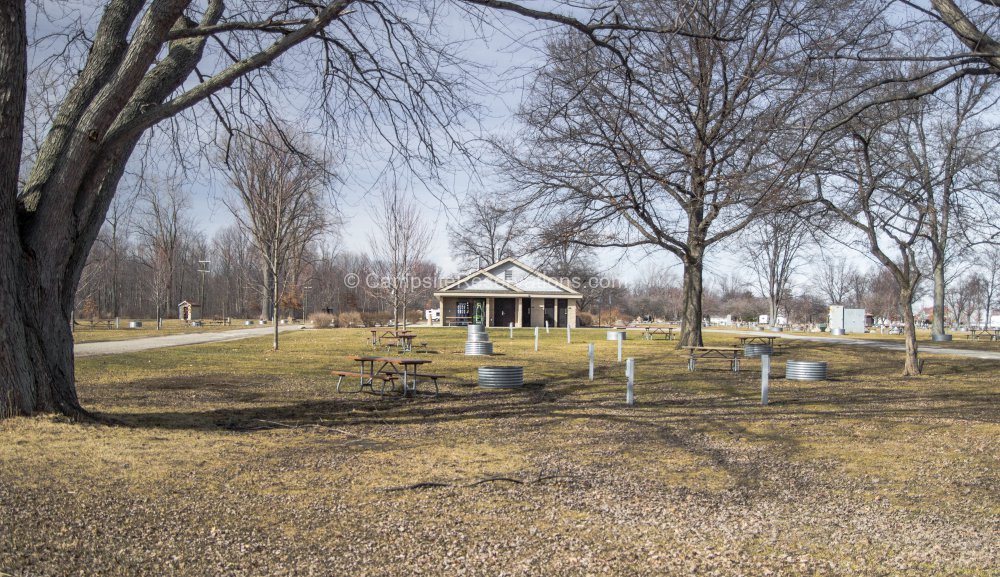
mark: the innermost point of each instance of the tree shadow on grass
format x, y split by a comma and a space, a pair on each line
236, 404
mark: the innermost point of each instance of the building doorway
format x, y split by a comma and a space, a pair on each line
504, 312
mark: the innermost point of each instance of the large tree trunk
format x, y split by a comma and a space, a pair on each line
692, 319
937, 327
36, 344
912, 365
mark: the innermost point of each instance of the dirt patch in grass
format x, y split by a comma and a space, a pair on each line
236, 460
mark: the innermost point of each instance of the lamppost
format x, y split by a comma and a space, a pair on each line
201, 297
305, 302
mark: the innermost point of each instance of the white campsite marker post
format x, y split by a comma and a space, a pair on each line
765, 370
568, 338
630, 375
590, 356
620, 335
511, 330
546, 327
536, 339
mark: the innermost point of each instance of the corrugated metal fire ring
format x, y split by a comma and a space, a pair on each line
805, 370
501, 377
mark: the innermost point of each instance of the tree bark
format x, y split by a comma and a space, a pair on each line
36, 342
912, 365
274, 302
692, 320
937, 326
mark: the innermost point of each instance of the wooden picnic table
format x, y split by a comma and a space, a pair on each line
404, 341
761, 339
390, 366
651, 332
731, 354
988, 334
376, 339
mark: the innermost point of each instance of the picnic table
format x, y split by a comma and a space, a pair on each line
403, 340
651, 332
761, 339
377, 338
389, 370
731, 354
988, 334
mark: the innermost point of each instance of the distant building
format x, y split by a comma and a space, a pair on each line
189, 311
508, 292
850, 320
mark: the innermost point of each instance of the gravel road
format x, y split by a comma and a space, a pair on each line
884, 345
136, 345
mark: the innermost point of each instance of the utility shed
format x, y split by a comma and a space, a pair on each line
505, 292
189, 311
851, 320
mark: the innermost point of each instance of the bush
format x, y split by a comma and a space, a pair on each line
584, 319
350, 319
321, 320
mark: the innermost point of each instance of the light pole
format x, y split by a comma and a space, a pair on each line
201, 297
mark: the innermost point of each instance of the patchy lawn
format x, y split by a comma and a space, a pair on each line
236, 460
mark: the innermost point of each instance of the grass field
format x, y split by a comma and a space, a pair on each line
232, 459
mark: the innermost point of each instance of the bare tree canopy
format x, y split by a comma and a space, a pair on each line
280, 202
489, 230
774, 244
865, 181
686, 142
399, 244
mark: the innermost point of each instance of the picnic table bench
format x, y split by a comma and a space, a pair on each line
389, 371
988, 334
376, 339
365, 380
91, 325
731, 354
651, 332
433, 378
404, 342
759, 339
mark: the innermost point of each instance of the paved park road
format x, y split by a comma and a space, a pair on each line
146, 343
884, 345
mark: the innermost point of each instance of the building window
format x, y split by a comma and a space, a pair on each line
508, 275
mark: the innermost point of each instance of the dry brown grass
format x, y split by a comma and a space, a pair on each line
83, 334
236, 460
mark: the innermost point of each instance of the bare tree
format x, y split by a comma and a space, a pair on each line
835, 278
774, 244
119, 223
866, 182
964, 298
948, 144
680, 146
399, 242
489, 229
279, 202
163, 221
988, 265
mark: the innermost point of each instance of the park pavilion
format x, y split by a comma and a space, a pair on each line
508, 292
